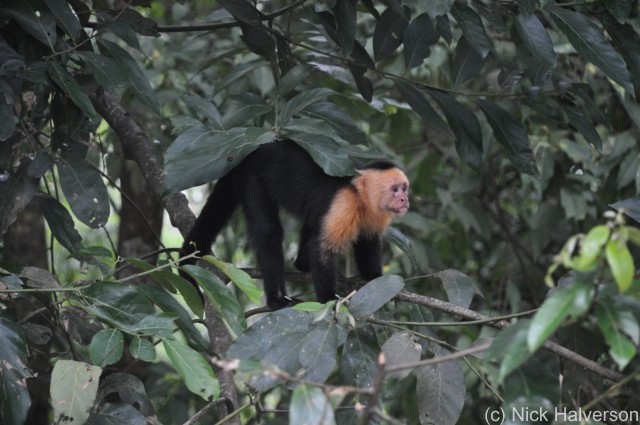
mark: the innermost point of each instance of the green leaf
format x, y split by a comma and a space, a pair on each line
222, 299
510, 349
620, 9
248, 107
467, 63
14, 396
419, 103
440, 390
620, 262
142, 349
136, 77
200, 155
584, 125
72, 89
65, 17
318, 351
193, 368
119, 305
626, 39
310, 306
465, 126
73, 390
397, 238
294, 78
169, 304
375, 294
590, 42
156, 324
591, 248
242, 11
535, 37
84, 189
106, 347
555, 309
205, 109
417, 37
622, 350
339, 120
241, 279
326, 153
401, 349
128, 390
346, 19
472, 28
60, 222
299, 102
459, 287
387, 36
512, 136
310, 406
359, 362
41, 26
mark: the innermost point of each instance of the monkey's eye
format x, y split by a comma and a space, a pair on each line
394, 189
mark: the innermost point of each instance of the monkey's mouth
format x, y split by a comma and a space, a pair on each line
401, 209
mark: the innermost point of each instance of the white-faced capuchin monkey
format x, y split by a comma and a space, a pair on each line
335, 213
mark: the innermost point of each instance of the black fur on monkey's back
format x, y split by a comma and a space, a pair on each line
277, 174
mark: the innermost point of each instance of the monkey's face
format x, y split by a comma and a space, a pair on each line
398, 197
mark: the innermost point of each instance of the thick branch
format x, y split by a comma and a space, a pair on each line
137, 147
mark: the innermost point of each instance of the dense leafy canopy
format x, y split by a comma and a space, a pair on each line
517, 123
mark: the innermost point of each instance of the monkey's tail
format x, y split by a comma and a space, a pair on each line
221, 204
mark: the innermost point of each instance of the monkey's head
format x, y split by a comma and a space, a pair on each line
386, 190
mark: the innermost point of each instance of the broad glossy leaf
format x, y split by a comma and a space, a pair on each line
345, 14
372, 296
417, 37
440, 391
205, 109
419, 103
136, 78
65, 17
72, 89
275, 339
387, 36
15, 399
209, 155
193, 368
169, 304
41, 26
590, 42
584, 125
60, 222
156, 324
142, 349
247, 107
591, 248
128, 389
509, 349
620, 9
73, 390
310, 406
459, 287
221, 298
510, 134
106, 347
631, 207
397, 238
555, 309
472, 28
318, 351
359, 360
620, 262
84, 189
627, 40
339, 120
622, 350
300, 102
467, 63
401, 349
535, 37
243, 11
465, 126
326, 153
293, 78
117, 304
42, 163
240, 278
